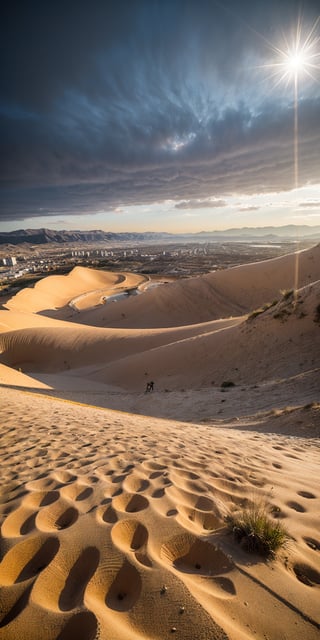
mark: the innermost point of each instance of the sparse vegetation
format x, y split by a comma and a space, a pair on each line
255, 313
262, 309
256, 531
287, 294
227, 383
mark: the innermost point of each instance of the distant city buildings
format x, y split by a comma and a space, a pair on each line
81, 253
10, 261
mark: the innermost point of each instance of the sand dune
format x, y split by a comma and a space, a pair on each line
282, 341
57, 291
114, 525
221, 294
230, 292
51, 346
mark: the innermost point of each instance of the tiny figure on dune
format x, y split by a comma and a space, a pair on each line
149, 386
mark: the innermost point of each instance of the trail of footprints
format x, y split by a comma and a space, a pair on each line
43, 562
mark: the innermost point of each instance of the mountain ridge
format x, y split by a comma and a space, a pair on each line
268, 233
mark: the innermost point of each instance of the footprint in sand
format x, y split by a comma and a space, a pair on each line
206, 520
107, 515
155, 475
130, 502
171, 512
76, 491
158, 493
85, 494
82, 571
16, 608
296, 506
306, 494
19, 522
312, 543
27, 559
306, 574
189, 554
195, 557
59, 516
135, 484
82, 625
125, 590
129, 535
41, 498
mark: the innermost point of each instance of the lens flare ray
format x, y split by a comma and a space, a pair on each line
297, 58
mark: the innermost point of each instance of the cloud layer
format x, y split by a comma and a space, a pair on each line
122, 103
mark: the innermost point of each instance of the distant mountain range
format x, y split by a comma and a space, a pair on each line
269, 234
44, 236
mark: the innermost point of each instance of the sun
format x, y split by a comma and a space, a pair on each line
296, 62
297, 56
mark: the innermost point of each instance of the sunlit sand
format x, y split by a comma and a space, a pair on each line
114, 501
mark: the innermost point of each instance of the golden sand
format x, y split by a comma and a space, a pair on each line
114, 522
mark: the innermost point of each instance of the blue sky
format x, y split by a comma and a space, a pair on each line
169, 115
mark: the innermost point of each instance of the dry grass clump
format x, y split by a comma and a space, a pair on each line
287, 294
256, 531
257, 312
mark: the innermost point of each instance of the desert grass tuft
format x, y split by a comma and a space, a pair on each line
256, 531
257, 312
287, 294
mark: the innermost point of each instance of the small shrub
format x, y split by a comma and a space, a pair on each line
282, 315
287, 294
255, 313
262, 309
268, 305
256, 532
227, 383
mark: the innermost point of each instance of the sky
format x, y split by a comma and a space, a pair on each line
159, 115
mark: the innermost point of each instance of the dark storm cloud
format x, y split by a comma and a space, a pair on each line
112, 103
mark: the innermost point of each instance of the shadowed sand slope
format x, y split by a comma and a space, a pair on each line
230, 292
282, 341
53, 345
114, 527
277, 342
